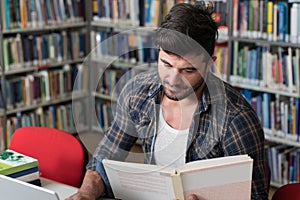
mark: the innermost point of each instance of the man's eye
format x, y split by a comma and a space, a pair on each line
166, 65
189, 70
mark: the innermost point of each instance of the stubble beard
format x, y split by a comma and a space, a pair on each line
186, 93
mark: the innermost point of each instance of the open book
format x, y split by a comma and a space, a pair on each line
212, 179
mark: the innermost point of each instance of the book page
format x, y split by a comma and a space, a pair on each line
210, 181
130, 181
201, 164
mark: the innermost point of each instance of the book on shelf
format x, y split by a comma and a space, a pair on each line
283, 162
208, 179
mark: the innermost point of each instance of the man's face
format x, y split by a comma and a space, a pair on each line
179, 77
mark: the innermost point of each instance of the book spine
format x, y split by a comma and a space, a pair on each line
24, 172
282, 24
275, 22
177, 185
270, 21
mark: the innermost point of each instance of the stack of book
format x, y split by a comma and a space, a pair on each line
19, 166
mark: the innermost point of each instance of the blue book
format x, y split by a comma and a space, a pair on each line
24, 172
53, 112
7, 13
45, 53
247, 94
17, 13
258, 64
292, 167
148, 11
81, 45
282, 21
248, 64
27, 50
107, 9
39, 12
266, 110
99, 8
34, 49
49, 15
30, 175
259, 107
284, 68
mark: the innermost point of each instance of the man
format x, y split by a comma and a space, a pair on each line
180, 112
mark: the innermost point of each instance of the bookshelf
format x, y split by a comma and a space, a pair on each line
264, 62
131, 31
239, 38
43, 45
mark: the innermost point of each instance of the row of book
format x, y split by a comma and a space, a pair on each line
44, 86
24, 51
38, 13
277, 68
132, 48
144, 12
284, 162
19, 166
61, 116
277, 113
267, 19
127, 12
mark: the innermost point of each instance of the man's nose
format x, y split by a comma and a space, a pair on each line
174, 77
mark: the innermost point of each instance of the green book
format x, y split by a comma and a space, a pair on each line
12, 162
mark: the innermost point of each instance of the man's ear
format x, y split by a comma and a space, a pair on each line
214, 58
211, 61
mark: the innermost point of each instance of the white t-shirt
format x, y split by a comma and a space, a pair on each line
170, 144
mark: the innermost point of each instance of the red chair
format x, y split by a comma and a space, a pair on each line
61, 156
287, 192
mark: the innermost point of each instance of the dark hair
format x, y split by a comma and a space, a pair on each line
194, 21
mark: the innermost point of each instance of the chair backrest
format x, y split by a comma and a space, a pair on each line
61, 156
289, 191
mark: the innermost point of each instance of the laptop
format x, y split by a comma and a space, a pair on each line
13, 189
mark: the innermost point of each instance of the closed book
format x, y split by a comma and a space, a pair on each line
13, 162
33, 178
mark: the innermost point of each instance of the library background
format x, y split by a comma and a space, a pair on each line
50, 63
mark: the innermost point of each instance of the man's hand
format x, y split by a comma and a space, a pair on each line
81, 196
92, 187
192, 197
